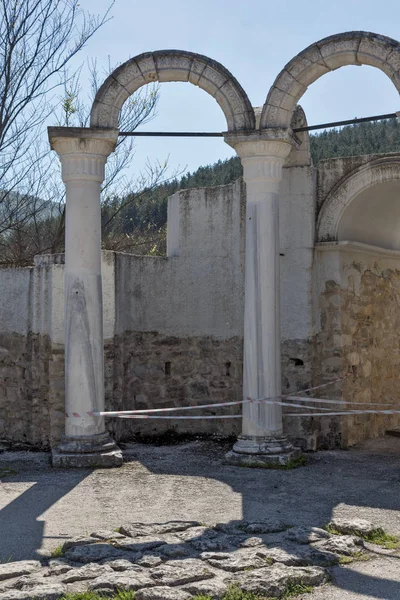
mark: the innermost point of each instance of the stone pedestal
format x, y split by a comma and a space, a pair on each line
87, 451
83, 154
262, 442
253, 451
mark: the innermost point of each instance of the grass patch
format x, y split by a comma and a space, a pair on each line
381, 538
120, 595
235, 593
301, 461
58, 552
294, 589
345, 560
378, 537
358, 556
330, 529
7, 472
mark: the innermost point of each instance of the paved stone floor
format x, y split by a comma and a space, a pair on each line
42, 508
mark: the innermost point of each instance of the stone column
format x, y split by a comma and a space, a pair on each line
262, 441
83, 154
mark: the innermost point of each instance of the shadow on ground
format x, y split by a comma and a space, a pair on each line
190, 481
28, 488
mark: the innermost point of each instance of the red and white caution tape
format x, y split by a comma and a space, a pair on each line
323, 414
337, 401
148, 413
191, 417
344, 413
324, 385
117, 413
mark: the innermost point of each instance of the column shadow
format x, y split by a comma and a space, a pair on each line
21, 533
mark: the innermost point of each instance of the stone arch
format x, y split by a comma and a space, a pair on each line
172, 65
351, 48
299, 155
348, 188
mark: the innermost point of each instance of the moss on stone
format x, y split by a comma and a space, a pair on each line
58, 552
378, 537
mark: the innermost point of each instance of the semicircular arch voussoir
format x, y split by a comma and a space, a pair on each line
350, 48
168, 66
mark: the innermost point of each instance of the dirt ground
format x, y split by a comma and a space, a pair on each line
40, 507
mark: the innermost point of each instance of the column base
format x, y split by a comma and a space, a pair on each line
263, 452
87, 452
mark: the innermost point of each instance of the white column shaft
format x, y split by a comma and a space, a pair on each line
262, 361
84, 357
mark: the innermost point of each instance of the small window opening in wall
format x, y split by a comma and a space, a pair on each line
228, 369
167, 368
297, 362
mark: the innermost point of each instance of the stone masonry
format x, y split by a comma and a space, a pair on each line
173, 326
178, 560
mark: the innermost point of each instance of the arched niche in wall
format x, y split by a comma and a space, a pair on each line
364, 206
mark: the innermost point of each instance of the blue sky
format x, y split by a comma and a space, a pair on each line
254, 40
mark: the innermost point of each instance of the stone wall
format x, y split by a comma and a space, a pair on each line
173, 326
31, 364
152, 370
359, 333
179, 320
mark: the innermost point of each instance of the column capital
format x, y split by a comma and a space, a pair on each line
263, 153
83, 151
264, 142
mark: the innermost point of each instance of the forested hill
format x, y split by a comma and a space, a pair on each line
377, 137
150, 210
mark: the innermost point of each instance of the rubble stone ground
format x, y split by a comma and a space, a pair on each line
176, 523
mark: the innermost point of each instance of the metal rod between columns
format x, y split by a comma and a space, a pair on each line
218, 134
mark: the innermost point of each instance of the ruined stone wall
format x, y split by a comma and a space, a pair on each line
152, 370
359, 320
25, 404
173, 326
23, 409
179, 320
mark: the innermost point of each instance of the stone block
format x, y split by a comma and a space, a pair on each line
261, 460
276, 117
162, 593
272, 581
101, 460
17, 569
306, 72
